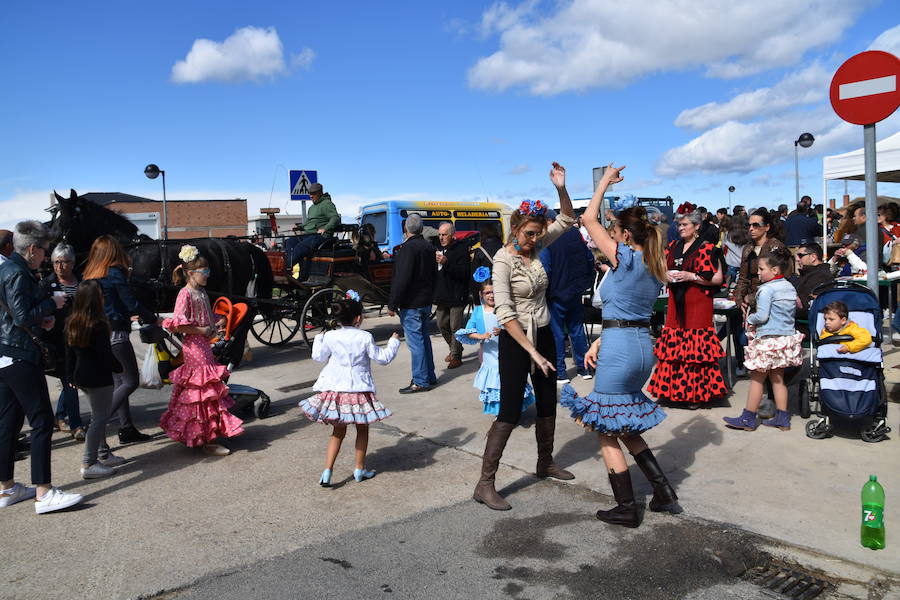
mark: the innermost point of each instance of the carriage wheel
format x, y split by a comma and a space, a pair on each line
317, 313
276, 324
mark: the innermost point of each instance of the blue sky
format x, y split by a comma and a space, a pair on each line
427, 100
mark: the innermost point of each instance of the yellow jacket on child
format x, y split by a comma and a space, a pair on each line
861, 336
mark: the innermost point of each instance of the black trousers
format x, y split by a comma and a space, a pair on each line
23, 392
515, 364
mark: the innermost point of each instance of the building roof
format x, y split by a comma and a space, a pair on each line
105, 198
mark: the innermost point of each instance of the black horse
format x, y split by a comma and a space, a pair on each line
237, 268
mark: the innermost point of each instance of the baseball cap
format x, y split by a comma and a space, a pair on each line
849, 239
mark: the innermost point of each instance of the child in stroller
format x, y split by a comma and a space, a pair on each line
846, 381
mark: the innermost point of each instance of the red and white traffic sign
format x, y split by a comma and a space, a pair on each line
866, 88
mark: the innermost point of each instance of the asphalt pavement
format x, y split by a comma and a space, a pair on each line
177, 523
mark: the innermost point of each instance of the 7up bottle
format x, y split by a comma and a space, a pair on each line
871, 533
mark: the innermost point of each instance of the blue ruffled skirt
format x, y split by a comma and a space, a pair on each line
612, 414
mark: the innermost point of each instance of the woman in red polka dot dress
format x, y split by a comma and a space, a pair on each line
688, 351
198, 410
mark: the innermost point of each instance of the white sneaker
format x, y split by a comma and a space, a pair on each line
56, 499
587, 376
562, 381
97, 471
16, 493
112, 460
895, 338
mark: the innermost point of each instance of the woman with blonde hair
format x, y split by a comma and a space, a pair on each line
109, 263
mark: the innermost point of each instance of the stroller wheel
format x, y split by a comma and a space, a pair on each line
875, 433
261, 407
818, 430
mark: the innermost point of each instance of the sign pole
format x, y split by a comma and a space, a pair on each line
873, 239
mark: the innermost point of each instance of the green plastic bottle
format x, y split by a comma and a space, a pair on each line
871, 532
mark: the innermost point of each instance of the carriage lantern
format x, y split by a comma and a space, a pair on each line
152, 172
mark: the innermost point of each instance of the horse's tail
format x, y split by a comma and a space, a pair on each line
264, 278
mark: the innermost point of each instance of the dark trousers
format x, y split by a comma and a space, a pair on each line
302, 246
515, 364
23, 393
449, 320
125, 382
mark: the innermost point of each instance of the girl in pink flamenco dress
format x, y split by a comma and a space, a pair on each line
198, 410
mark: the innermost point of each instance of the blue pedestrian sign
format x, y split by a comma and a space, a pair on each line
300, 182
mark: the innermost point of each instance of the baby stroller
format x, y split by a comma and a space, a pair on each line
848, 388
227, 349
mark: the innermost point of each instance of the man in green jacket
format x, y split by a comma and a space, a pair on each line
321, 219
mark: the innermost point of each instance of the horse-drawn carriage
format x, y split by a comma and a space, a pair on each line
346, 261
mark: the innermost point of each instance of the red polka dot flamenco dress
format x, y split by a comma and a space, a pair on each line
198, 410
688, 351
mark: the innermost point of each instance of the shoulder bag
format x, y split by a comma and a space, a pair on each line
48, 360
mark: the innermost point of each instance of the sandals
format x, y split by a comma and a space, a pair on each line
78, 434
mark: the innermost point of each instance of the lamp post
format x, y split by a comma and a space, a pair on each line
152, 172
730, 191
806, 140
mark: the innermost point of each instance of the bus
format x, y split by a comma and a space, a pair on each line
387, 217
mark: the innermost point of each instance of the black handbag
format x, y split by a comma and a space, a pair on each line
48, 359
151, 334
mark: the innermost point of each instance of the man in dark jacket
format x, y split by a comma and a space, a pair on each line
801, 225
813, 273
412, 287
451, 289
570, 267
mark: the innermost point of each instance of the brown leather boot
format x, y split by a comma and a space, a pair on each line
485, 493
544, 430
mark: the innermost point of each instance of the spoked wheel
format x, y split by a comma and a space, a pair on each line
818, 430
317, 313
261, 406
276, 324
805, 410
877, 432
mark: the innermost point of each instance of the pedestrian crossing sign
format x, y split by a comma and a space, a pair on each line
300, 182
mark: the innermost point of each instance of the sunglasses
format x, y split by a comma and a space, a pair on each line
802, 254
756, 225
531, 234
204, 272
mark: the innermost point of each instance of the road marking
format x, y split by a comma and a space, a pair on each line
868, 87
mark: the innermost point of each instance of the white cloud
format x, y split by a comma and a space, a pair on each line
889, 41
249, 54
589, 43
22, 205
519, 169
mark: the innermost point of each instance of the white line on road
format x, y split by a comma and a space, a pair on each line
868, 87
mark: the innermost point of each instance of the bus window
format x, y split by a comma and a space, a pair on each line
379, 222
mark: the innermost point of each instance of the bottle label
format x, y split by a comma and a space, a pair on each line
872, 516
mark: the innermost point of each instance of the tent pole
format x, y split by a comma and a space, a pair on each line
824, 218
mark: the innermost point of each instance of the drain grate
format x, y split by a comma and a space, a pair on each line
787, 582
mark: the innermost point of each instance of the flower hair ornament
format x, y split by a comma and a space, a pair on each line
188, 253
532, 208
624, 201
481, 274
686, 208
352, 295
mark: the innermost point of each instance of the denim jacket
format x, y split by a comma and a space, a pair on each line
120, 303
776, 305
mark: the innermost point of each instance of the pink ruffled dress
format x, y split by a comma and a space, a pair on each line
198, 410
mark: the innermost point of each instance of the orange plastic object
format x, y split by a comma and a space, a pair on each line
233, 313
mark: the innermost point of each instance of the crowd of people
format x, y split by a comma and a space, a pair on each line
528, 292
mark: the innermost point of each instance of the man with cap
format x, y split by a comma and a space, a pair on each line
321, 219
6, 246
846, 258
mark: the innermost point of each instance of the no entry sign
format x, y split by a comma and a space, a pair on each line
866, 88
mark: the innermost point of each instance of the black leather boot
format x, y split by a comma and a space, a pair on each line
544, 431
485, 493
626, 512
664, 497
130, 434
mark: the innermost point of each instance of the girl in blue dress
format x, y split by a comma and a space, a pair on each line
483, 328
617, 410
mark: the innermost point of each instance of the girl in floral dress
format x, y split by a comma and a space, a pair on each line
345, 389
484, 329
198, 410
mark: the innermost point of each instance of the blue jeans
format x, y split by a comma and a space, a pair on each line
301, 246
415, 328
568, 319
67, 405
895, 322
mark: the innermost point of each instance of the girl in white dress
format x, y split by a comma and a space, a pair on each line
346, 392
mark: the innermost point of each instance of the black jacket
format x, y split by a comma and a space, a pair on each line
20, 291
120, 303
92, 367
55, 338
452, 284
415, 271
809, 279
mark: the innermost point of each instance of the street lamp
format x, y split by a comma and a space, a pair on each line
806, 140
730, 191
152, 172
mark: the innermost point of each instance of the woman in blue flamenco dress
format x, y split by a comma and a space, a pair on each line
483, 328
617, 410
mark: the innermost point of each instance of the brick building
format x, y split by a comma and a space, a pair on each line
187, 218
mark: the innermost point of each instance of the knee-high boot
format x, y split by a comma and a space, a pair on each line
485, 492
664, 497
626, 512
544, 430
